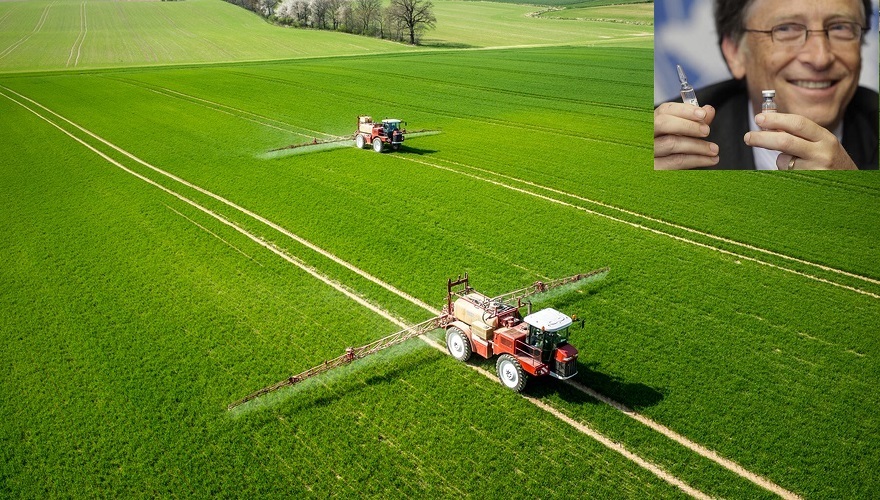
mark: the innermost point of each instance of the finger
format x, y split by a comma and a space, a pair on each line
820, 155
682, 110
793, 124
667, 145
668, 124
710, 114
779, 141
787, 162
683, 162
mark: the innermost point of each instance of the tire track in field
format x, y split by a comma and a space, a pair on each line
189, 34
43, 16
80, 38
226, 109
663, 233
5, 16
315, 273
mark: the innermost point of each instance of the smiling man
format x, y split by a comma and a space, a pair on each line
809, 52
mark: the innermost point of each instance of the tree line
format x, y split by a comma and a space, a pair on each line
401, 20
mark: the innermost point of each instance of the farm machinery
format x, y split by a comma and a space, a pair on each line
532, 345
380, 135
535, 345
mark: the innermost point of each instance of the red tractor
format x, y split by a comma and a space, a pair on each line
535, 345
381, 135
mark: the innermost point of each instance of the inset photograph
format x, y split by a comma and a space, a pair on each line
766, 85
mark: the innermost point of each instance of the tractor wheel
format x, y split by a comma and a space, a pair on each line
360, 142
458, 345
511, 373
395, 147
377, 145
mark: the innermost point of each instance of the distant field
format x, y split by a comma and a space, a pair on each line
639, 13
575, 3
159, 264
492, 24
74, 35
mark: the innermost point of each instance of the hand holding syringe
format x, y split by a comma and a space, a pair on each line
680, 131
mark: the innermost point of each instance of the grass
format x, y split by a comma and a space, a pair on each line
131, 318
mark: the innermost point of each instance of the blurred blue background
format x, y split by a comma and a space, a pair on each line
684, 33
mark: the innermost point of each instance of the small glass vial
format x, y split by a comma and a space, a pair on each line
688, 96
768, 106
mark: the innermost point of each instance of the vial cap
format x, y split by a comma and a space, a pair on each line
768, 93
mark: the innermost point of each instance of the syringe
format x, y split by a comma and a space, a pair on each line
688, 96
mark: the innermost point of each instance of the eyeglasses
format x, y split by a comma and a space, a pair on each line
795, 35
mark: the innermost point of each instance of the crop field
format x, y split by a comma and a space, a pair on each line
160, 263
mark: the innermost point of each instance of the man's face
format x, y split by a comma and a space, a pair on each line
817, 79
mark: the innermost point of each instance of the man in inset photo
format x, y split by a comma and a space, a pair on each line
802, 57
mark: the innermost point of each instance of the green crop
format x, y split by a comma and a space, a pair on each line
131, 318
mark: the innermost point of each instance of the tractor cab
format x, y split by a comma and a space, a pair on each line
389, 125
548, 330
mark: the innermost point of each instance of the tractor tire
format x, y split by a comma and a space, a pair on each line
360, 142
458, 345
377, 145
511, 373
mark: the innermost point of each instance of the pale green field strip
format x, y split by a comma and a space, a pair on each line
728, 464
654, 469
40, 22
76, 49
639, 13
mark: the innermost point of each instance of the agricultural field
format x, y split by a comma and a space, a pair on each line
162, 261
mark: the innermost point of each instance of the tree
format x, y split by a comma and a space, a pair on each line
415, 15
295, 12
366, 15
339, 9
321, 12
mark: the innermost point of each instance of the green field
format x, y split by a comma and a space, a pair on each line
740, 311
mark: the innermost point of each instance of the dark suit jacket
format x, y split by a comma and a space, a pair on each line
730, 100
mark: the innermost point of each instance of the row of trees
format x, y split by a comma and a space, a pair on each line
400, 20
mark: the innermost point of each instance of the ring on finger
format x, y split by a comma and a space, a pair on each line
791, 163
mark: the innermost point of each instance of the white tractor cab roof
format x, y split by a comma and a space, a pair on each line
549, 320
390, 120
